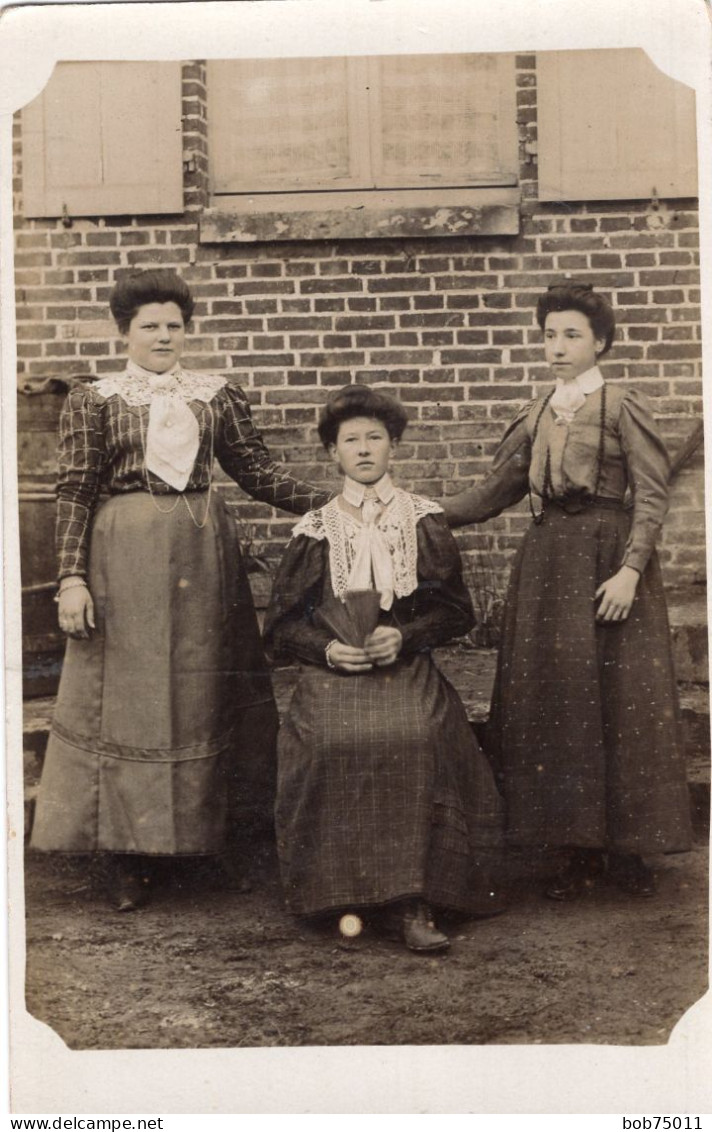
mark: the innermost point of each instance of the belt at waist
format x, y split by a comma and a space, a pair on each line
574, 504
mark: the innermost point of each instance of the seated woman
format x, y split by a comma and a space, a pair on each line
384, 800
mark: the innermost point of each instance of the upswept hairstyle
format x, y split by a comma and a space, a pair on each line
580, 297
159, 286
360, 401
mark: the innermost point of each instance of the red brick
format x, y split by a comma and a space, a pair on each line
366, 267
365, 322
329, 304
168, 257
266, 270
397, 283
432, 338
409, 338
368, 303
429, 302
676, 350
671, 298
323, 286
338, 358
370, 341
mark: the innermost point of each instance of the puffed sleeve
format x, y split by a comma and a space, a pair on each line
440, 608
505, 484
290, 631
241, 453
81, 458
648, 468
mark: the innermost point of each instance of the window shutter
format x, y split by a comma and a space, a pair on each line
613, 127
444, 120
284, 124
104, 139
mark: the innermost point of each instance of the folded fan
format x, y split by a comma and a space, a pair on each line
352, 619
363, 608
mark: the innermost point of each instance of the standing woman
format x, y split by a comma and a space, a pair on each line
584, 716
164, 689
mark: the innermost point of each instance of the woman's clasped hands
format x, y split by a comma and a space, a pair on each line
382, 647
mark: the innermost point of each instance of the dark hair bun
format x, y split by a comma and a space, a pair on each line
142, 287
572, 296
360, 401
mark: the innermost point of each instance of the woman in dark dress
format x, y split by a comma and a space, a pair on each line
384, 800
165, 697
584, 725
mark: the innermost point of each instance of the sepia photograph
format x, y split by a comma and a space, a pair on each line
357, 668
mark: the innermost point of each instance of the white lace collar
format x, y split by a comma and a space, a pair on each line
397, 526
138, 386
355, 493
588, 382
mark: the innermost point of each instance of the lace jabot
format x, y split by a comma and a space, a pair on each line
397, 526
137, 386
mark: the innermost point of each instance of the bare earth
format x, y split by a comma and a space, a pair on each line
205, 967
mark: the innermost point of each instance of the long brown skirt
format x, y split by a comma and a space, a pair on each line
584, 725
383, 793
158, 713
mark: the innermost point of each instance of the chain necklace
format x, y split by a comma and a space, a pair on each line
200, 524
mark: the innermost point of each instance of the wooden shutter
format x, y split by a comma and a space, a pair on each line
104, 139
409, 121
613, 127
444, 120
284, 124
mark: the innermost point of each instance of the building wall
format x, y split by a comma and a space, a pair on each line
447, 322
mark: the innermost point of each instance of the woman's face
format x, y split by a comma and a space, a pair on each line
363, 449
156, 336
570, 345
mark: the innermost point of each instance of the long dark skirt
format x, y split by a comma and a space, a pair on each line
158, 713
584, 725
383, 792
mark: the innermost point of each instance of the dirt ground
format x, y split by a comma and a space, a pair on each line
206, 966
202, 966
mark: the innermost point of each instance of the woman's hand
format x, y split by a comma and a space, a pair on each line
76, 610
617, 595
383, 645
348, 659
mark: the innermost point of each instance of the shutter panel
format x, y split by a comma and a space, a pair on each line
104, 139
613, 127
444, 120
281, 124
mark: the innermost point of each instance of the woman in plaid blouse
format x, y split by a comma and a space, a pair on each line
164, 689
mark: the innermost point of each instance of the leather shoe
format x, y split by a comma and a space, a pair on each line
630, 873
419, 931
579, 875
129, 889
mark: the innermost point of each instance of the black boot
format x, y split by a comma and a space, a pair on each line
629, 872
579, 875
411, 922
129, 882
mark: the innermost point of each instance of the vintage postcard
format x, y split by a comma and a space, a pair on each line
355, 364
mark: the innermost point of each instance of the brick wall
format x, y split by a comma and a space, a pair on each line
448, 323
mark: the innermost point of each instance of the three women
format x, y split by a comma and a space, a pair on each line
384, 799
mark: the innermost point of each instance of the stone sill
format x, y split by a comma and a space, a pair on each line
362, 215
